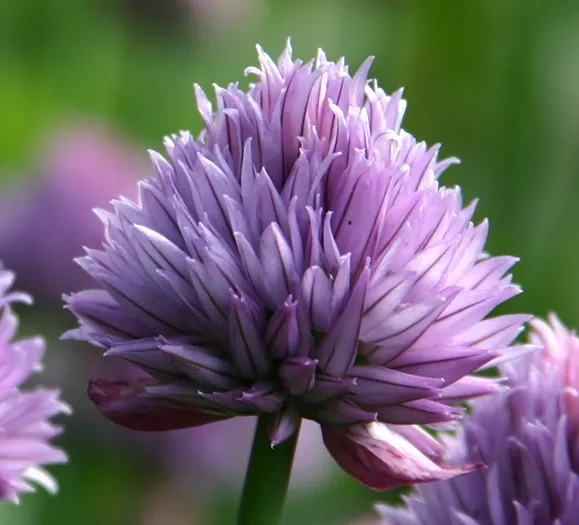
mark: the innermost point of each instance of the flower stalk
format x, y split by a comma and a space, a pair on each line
267, 478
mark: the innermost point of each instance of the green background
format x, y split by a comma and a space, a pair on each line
496, 82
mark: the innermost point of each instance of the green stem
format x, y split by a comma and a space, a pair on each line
267, 478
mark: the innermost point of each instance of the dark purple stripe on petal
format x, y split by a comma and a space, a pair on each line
419, 412
247, 343
203, 366
338, 350
341, 412
283, 331
263, 397
327, 387
298, 374
381, 385
448, 363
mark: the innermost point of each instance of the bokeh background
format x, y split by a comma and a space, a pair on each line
86, 86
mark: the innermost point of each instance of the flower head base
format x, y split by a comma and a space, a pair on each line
25, 429
528, 439
300, 259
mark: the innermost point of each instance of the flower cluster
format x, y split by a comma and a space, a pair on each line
528, 439
25, 429
300, 259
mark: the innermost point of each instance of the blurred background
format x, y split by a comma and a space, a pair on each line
87, 86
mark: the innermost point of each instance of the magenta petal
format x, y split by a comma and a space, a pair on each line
382, 459
127, 404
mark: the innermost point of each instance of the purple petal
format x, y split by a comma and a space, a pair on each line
375, 385
381, 300
338, 350
145, 353
341, 412
316, 296
263, 397
298, 374
249, 352
203, 366
283, 332
493, 333
326, 387
450, 364
284, 425
100, 311
471, 387
419, 412
401, 329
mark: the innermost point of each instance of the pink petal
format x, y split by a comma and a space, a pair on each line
382, 459
127, 404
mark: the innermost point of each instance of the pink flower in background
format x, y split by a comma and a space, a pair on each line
562, 353
527, 436
45, 224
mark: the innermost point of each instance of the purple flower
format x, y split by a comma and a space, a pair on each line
528, 439
44, 225
300, 259
25, 429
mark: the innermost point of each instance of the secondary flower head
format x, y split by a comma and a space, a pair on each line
300, 259
528, 439
562, 354
25, 429
44, 225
